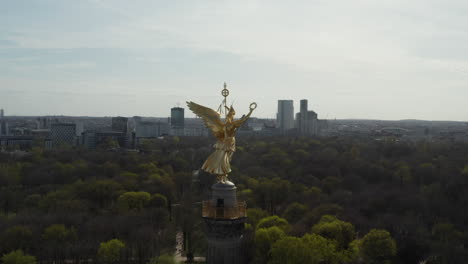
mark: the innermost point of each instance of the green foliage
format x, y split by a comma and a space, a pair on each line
446, 232
10, 174
18, 257
110, 251
264, 239
295, 212
129, 179
332, 228
465, 170
324, 209
331, 183
311, 249
18, 237
164, 259
378, 246
58, 234
58, 201
133, 200
396, 185
102, 192
255, 215
158, 200
32, 200
403, 174
272, 221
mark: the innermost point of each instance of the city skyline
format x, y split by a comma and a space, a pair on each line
364, 60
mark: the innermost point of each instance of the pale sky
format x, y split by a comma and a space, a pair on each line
375, 59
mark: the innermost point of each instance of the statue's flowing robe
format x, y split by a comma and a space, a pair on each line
219, 162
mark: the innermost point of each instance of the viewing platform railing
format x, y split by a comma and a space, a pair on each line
238, 211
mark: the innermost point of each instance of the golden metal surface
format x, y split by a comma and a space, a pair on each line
219, 162
238, 211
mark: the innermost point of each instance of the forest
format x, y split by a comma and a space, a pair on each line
310, 200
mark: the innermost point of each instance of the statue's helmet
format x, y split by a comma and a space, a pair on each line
231, 112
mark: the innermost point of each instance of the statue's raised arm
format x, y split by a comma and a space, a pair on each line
244, 118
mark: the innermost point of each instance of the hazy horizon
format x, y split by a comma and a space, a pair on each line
385, 60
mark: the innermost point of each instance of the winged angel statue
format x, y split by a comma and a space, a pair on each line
219, 161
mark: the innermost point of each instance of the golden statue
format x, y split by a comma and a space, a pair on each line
219, 161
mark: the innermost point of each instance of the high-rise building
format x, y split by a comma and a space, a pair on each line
4, 130
3, 124
177, 117
120, 124
285, 115
304, 106
306, 121
63, 134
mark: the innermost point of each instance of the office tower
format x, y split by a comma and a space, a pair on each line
63, 134
120, 124
177, 117
3, 124
304, 106
285, 115
307, 122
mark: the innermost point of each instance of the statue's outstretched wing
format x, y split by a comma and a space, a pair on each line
211, 118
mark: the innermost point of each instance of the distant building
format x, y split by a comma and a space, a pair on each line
88, 139
285, 115
307, 122
145, 129
195, 130
16, 142
4, 129
43, 123
63, 134
120, 124
105, 137
40, 133
177, 118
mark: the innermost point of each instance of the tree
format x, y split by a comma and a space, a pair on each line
18, 237
332, 228
59, 235
58, 239
133, 200
264, 239
102, 192
274, 220
378, 246
294, 212
18, 257
110, 251
310, 249
255, 215
324, 209
158, 200
403, 174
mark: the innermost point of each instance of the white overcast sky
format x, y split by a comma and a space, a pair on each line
376, 59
